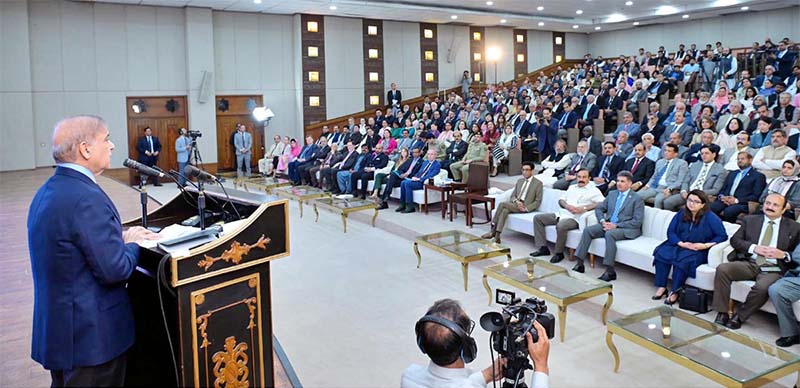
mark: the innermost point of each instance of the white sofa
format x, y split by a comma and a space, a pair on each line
636, 253
419, 195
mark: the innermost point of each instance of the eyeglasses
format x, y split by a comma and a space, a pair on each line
694, 201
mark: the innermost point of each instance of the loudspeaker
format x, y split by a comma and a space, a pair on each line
204, 92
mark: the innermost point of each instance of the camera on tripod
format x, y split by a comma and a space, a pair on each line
194, 134
508, 331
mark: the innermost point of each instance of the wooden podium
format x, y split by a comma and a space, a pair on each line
212, 303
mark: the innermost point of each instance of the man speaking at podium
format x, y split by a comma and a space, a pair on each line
81, 259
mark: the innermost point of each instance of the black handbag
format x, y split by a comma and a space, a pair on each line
696, 300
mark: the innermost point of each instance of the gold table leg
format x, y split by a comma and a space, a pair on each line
562, 321
300, 202
464, 270
488, 289
344, 221
374, 216
613, 350
607, 306
316, 219
416, 251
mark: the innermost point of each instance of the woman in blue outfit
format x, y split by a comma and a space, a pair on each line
693, 230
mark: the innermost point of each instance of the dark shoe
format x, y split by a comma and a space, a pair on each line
557, 258
409, 209
383, 205
401, 208
785, 342
497, 238
661, 296
488, 235
734, 323
157, 184
543, 251
579, 267
722, 319
608, 276
670, 301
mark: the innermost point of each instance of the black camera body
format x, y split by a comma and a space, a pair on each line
194, 134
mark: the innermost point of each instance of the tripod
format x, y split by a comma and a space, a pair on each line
143, 197
515, 373
201, 195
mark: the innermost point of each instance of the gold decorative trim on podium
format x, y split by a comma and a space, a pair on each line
234, 254
230, 365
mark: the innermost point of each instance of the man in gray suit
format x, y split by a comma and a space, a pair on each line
681, 127
526, 197
243, 142
619, 217
582, 160
668, 178
783, 294
705, 174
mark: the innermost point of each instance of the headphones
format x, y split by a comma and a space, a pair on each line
469, 349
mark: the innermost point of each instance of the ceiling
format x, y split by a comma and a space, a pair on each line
558, 15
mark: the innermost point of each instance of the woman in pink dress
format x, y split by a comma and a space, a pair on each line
289, 154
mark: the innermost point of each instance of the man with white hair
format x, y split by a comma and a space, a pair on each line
80, 261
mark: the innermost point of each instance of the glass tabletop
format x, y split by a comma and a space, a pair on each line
300, 191
268, 181
726, 352
547, 278
460, 243
346, 203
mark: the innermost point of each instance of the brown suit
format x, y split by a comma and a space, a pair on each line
742, 266
533, 198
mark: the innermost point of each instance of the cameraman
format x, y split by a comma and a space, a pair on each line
444, 335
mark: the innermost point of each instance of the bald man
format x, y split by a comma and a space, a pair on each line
80, 260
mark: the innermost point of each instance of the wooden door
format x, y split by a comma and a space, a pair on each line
165, 116
230, 111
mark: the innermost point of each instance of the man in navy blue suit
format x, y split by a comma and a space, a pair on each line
149, 148
740, 187
80, 260
429, 169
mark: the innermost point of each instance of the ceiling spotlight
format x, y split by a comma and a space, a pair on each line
454, 17
629, 3
579, 12
332, 8
686, 16
635, 23
540, 8
575, 26
540, 24
490, 3
745, 8
257, 1
503, 20
598, 28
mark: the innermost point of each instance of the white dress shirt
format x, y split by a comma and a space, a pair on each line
524, 188
775, 231
80, 169
580, 196
435, 376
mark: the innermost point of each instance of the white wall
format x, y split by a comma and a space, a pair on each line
402, 62
502, 38
540, 49
737, 30
344, 66
577, 45
453, 44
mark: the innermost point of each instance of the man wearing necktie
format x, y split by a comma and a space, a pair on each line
589, 113
429, 169
244, 147
343, 176
324, 162
582, 159
526, 197
668, 178
619, 217
741, 186
607, 168
407, 169
149, 148
376, 159
568, 120
705, 174
761, 252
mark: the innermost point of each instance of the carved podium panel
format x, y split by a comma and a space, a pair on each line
212, 302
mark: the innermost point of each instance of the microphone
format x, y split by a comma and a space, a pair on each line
192, 172
142, 169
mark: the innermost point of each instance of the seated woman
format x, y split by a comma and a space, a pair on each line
476, 131
381, 177
693, 230
508, 141
389, 144
785, 185
290, 153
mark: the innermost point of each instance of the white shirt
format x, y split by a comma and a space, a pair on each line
663, 181
580, 196
435, 376
775, 230
524, 188
80, 169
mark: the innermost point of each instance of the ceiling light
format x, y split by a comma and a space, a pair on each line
724, 3
635, 23
540, 8
686, 16
490, 3
579, 12
629, 3
454, 17
575, 26
541, 24
257, 1
332, 8
745, 8
598, 28
666, 10
503, 20
615, 17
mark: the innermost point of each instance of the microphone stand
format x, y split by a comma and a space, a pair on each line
201, 204
143, 198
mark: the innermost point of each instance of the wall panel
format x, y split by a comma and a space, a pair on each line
455, 56
344, 66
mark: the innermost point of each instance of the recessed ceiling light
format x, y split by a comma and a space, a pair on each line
615, 17
666, 10
257, 1
454, 17
745, 8
598, 28
541, 24
579, 12
629, 3
575, 26
635, 23
490, 3
332, 8
503, 20
685, 16
540, 8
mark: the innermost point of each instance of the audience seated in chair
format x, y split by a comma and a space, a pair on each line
375, 160
477, 152
786, 185
741, 187
769, 159
705, 174
403, 169
580, 160
455, 152
526, 197
668, 178
783, 293
607, 168
429, 169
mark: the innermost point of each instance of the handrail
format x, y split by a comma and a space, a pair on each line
316, 129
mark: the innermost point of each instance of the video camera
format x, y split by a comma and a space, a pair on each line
194, 134
508, 332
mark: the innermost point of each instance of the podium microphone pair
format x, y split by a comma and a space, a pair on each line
189, 171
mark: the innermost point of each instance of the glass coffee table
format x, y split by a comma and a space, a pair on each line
713, 351
265, 184
462, 247
551, 283
345, 207
300, 194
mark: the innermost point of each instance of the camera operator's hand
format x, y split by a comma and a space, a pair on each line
540, 350
490, 375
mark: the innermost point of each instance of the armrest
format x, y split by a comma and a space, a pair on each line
718, 254
386, 170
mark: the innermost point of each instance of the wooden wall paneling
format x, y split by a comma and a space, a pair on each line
520, 52
239, 110
373, 87
430, 68
164, 124
477, 55
313, 88
559, 47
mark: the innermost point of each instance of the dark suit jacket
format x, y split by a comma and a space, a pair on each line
692, 154
750, 186
644, 170
403, 167
526, 128
371, 141
614, 167
396, 95
594, 112
662, 88
348, 163
615, 103
572, 120
596, 147
456, 151
320, 153
750, 234
142, 145
760, 80
81, 315
377, 160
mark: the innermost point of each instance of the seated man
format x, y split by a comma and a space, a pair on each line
675, 138
704, 174
607, 167
668, 178
323, 149
640, 167
577, 200
624, 147
730, 157
332, 158
650, 151
619, 217
408, 168
761, 252
680, 127
455, 152
769, 160
629, 126
429, 169
580, 160
376, 160
693, 153
741, 186
476, 153
783, 294
558, 161
343, 176
443, 334
347, 160
526, 197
